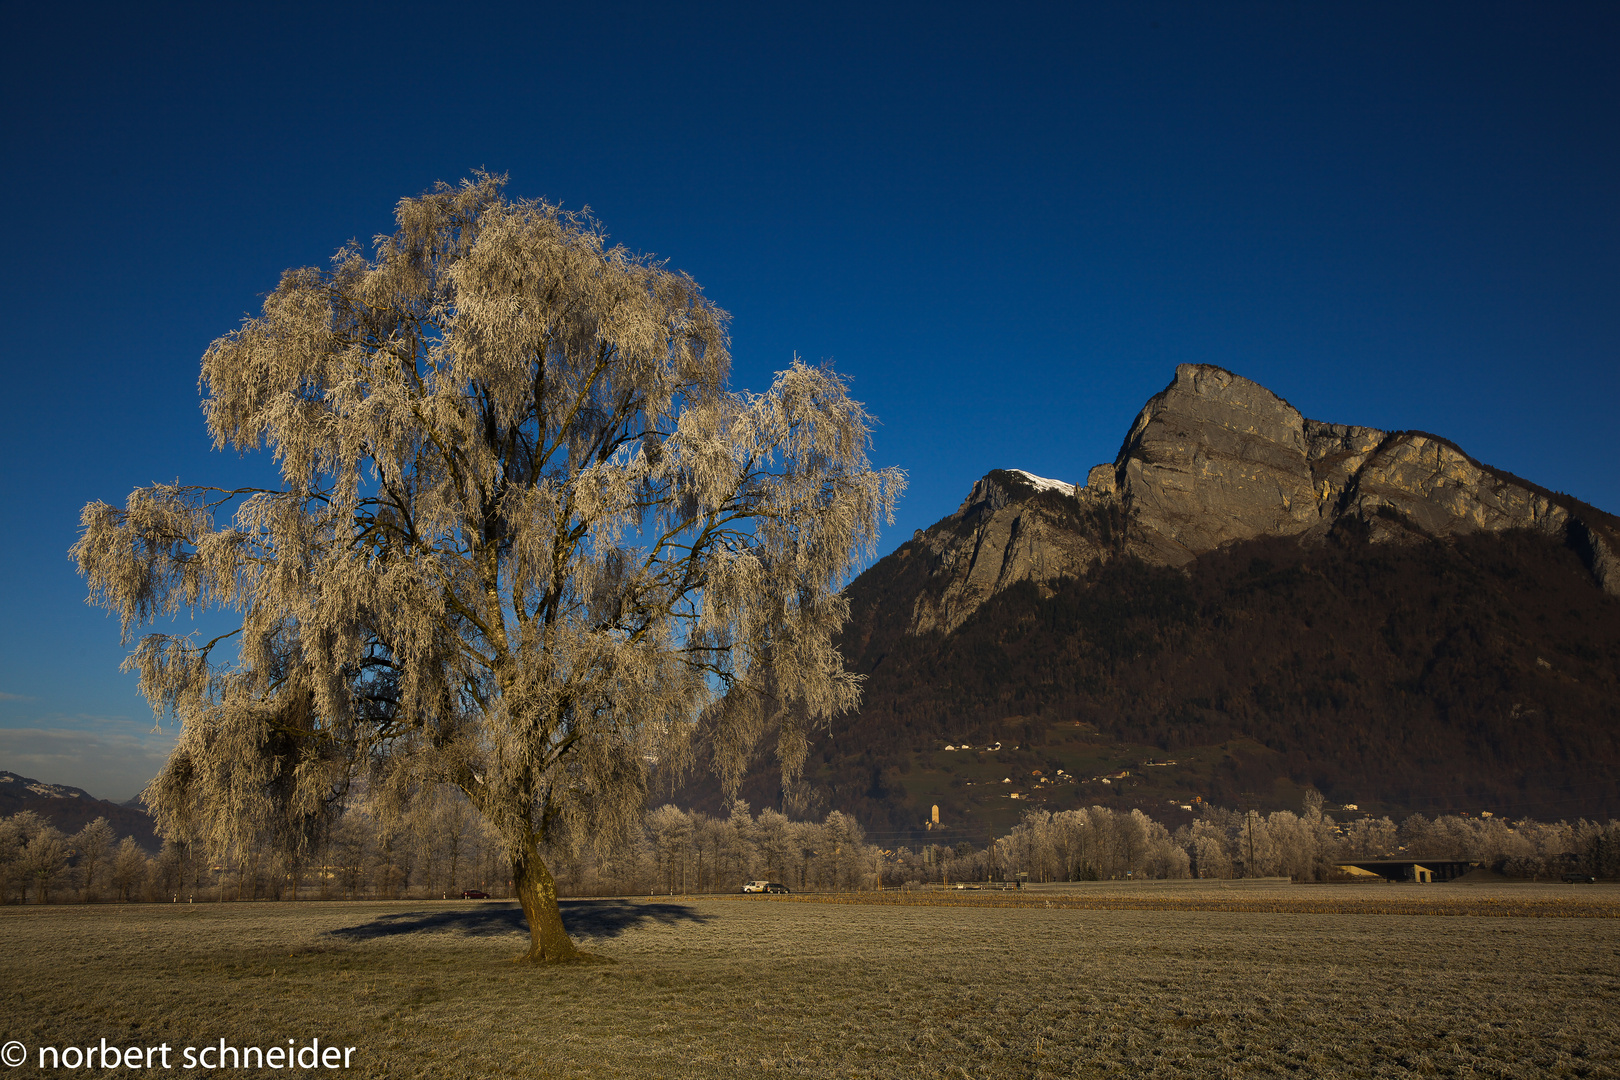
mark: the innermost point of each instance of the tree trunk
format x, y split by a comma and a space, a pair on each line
537, 892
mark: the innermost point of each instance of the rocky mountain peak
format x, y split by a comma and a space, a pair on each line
1002, 486
1215, 459
1210, 459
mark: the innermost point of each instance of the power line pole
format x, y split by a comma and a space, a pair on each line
1248, 825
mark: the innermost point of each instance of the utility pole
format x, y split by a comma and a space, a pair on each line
1248, 825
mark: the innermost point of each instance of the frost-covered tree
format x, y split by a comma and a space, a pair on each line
45, 860
15, 832
1370, 838
524, 536
774, 834
670, 830
1209, 848
129, 869
93, 847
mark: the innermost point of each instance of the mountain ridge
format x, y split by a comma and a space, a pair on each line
71, 809
1215, 458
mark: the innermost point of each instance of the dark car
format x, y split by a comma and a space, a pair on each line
474, 894
775, 887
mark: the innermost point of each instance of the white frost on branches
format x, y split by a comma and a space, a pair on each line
525, 536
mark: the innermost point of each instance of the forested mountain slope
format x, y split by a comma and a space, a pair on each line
1244, 605
71, 809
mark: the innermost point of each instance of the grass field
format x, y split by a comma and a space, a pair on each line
1109, 980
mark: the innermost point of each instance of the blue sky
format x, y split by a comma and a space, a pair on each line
1006, 224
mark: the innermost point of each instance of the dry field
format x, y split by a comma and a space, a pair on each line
1136, 981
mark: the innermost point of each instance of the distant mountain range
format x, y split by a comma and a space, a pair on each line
71, 809
1245, 604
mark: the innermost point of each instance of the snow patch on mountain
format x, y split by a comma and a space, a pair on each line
42, 789
1041, 483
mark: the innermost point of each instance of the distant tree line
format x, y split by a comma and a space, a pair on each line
41, 863
440, 848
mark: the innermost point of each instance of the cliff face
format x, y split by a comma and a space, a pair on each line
1012, 527
1215, 459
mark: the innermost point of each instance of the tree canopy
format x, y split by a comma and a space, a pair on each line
524, 537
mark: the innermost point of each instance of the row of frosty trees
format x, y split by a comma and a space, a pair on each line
441, 848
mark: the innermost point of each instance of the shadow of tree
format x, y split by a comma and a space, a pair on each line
583, 918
